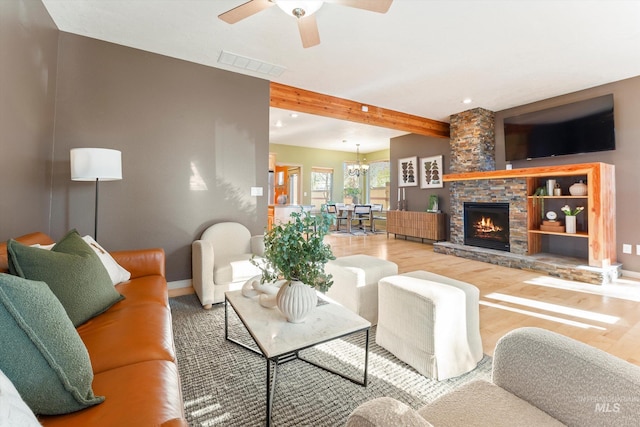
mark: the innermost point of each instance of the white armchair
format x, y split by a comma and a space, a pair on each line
221, 260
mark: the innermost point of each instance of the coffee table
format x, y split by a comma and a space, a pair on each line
279, 341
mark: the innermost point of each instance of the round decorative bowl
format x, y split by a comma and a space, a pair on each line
578, 189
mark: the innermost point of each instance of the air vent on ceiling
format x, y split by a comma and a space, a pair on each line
250, 64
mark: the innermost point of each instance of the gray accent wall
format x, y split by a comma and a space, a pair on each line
626, 156
420, 146
28, 63
194, 140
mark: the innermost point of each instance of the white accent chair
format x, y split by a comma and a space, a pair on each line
431, 322
221, 260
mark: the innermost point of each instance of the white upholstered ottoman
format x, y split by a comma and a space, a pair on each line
431, 322
355, 283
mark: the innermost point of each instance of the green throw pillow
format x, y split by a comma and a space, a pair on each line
72, 270
42, 353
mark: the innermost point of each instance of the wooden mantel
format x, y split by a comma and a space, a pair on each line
305, 101
592, 170
601, 203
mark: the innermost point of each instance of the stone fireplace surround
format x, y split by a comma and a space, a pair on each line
473, 150
514, 192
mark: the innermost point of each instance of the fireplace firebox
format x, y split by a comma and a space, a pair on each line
486, 225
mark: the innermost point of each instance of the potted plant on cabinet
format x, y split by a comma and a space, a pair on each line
295, 254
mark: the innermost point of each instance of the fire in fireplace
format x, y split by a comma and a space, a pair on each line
486, 225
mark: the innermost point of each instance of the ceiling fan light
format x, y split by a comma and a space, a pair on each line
293, 7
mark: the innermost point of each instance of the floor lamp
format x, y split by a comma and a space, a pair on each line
96, 164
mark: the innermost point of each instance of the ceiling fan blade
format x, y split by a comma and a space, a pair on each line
380, 6
245, 10
309, 31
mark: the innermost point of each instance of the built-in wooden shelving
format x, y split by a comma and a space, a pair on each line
600, 200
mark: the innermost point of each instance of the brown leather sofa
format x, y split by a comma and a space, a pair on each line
131, 349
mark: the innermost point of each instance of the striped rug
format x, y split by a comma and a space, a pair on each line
225, 385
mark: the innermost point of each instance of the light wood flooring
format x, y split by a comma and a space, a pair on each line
607, 317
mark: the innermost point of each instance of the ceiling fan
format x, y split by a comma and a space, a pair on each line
303, 10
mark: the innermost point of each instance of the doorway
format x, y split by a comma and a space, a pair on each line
295, 184
288, 185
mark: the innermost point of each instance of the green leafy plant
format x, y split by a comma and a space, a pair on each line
351, 192
296, 251
540, 193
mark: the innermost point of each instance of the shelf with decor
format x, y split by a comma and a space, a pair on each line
596, 223
540, 205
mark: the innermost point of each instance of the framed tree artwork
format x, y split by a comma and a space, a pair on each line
431, 172
408, 172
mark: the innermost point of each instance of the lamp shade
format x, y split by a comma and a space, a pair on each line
89, 164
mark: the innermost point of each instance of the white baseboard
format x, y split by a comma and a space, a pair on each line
179, 284
634, 274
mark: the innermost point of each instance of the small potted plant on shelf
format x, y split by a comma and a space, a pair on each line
570, 217
295, 254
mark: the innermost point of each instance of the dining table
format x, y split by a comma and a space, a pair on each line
349, 209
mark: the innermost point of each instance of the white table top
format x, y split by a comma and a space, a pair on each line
275, 336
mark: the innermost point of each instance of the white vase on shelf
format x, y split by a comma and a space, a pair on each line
570, 224
578, 189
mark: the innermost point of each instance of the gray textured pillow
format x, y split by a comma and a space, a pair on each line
42, 353
72, 270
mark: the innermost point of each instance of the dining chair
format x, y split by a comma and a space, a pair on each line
361, 213
376, 210
337, 214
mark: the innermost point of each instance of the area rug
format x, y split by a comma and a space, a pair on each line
225, 385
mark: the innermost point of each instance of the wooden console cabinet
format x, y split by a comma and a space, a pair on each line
424, 225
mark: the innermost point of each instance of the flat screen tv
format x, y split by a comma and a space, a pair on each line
582, 127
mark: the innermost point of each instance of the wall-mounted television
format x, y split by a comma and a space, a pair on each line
581, 127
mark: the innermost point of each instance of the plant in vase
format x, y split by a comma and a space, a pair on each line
295, 254
352, 192
570, 217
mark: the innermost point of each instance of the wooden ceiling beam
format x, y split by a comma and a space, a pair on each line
304, 101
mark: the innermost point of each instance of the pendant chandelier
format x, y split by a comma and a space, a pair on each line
357, 168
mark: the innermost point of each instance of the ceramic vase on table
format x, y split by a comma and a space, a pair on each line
570, 224
296, 300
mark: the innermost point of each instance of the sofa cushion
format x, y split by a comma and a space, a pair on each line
481, 403
13, 410
142, 394
46, 359
72, 270
385, 411
124, 337
141, 291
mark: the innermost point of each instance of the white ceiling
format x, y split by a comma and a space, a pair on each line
423, 57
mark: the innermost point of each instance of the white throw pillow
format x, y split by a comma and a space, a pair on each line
115, 270
45, 247
13, 410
